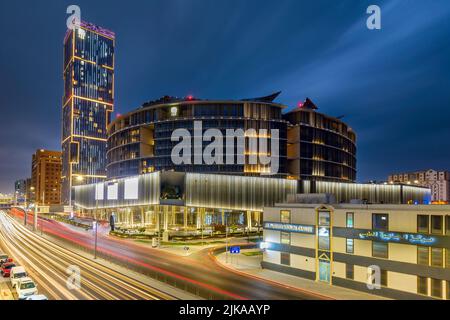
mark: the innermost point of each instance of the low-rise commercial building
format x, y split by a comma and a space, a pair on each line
405, 249
437, 181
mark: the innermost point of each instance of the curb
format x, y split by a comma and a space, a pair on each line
220, 264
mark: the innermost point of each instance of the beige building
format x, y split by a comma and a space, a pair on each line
46, 177
405, 249
437, 181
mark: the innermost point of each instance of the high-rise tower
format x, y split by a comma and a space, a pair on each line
87, 105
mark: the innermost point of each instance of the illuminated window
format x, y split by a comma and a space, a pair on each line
285, 238
324, 218
380, 222
422, 285
436, 288
380, 250
447, 258
423, 256
437, 259
349, 246
350, 219
285, 216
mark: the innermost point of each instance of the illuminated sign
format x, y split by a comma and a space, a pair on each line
113, 191
299, 228
99, 191
131, 189
397, 237
174, 111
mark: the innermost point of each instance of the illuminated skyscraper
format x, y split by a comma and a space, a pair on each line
87, 105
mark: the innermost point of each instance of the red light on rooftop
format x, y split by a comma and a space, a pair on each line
118, 115
300, 104
190, 97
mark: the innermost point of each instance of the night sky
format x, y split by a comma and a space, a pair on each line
392, 85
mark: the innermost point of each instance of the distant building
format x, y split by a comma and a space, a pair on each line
30, 193
437, 181
46, 177
88, 102
20, 187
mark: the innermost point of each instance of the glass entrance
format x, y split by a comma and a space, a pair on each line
324, 271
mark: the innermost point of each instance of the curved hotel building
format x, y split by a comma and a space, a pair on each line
146, 188
140, 141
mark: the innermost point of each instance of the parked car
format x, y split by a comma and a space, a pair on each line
16, 274
25, 288
36, 297
6, 261
3, 257
6, 268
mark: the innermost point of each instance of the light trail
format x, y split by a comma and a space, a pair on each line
47, 263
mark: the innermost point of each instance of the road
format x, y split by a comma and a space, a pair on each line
198, 269
47, 264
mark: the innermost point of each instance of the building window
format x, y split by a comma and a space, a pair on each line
447, 259
285, 238
380, 222
436, 288
447, 225
324, 218
436, 224
350, 219
423, 256
324, 238
437, 259
349, 248
380, 250
423, 224
422, 285
349, 271
285, 258
285, 216
384, 278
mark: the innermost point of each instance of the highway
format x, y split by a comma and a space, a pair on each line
199, 269
47, 264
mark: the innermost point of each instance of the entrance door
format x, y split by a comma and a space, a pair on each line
324, 271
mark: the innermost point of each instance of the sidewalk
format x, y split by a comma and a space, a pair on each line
250, 265
5, 291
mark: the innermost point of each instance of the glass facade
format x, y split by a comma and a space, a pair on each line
140, 142
87, 105
320, 147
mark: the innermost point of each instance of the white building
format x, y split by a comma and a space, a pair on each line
437, 181
405, 249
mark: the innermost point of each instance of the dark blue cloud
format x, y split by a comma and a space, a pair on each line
391, 85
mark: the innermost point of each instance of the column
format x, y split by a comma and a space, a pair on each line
185, 221
142, 216
166, 218
156, 213
249, 220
